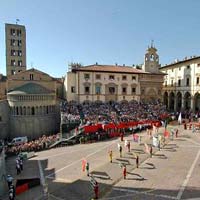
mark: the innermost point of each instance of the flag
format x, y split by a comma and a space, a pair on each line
180, 118
83, 164
166, 133
155, 142
135, 137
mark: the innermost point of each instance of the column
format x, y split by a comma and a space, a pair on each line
192, 103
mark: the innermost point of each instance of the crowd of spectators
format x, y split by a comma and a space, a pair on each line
36, 145
91, 113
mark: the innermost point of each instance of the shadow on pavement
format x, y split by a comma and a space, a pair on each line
161, 156
100, 175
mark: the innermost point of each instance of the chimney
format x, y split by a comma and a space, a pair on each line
123, 65
116, 64
96, 63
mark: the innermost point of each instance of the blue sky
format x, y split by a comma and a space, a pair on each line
103, 31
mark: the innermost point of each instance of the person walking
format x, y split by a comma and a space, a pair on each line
176, 133
87, 168
110, 155
120, 151
18, 168
21, 164
9, 180
96, 190
124, 171
122, 137
129, 146
137, 161
151, 151
159, 145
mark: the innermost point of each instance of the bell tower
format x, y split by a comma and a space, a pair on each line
151, 60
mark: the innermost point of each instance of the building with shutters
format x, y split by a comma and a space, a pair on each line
106, 83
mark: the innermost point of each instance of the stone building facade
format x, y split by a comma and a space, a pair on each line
115, 83
182, 85
31, 108
15, 48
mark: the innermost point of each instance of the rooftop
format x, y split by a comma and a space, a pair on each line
110, 68
30, 88
186, 59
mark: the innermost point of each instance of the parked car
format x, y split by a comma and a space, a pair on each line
19, 140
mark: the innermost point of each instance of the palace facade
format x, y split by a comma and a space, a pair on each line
182, 85
106, 83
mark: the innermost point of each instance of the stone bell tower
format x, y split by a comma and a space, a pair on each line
151, 60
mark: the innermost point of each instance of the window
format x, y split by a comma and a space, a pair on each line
124, 90
86, 76
87, 89
20, 53
133, 90
72, 89
123, 78
19, 43
179, 82
179, 68
187, 81
12, 72
19, 32
111, 90
12, 42
12, 32
13, 63
31, 77
172, 82
142, 91
0, 118
152, 57
13, 52
165, 83
112, 77
133, 78
172, 70
188, 67
98, 76
98, 89
197, 80
19, 63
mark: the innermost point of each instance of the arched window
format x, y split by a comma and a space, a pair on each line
32, 111
24, 110
17, 111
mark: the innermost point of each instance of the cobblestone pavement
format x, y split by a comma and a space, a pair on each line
170, 174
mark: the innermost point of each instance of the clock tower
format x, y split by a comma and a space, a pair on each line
151, 60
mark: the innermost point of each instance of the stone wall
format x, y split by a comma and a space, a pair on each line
33, 126
4, 119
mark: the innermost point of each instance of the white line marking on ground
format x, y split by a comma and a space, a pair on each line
58, 154
58, 198
59, 170
140, 192
192, 141
191, 146
180, 193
